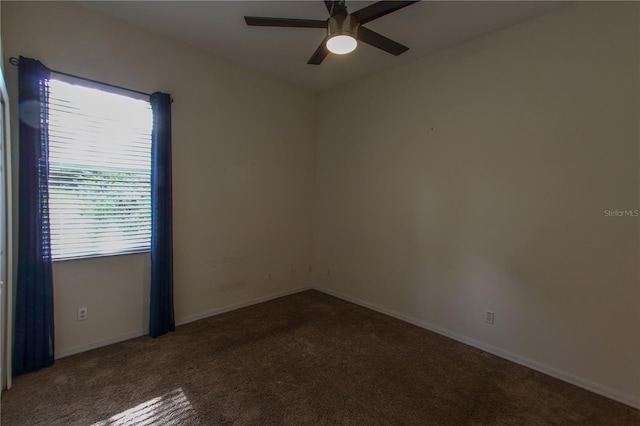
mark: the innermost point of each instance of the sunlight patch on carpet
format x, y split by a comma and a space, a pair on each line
170, 408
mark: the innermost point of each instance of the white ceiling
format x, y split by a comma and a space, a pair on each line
219, 27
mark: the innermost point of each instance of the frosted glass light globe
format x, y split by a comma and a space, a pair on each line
341, 44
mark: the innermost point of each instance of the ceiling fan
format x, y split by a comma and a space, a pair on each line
343, 28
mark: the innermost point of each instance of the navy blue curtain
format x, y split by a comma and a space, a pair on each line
33, 324
161, 318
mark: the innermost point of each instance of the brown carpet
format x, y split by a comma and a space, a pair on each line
307, 359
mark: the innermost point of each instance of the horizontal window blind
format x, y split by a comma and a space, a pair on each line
99, 172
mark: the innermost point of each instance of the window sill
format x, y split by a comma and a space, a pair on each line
94, 256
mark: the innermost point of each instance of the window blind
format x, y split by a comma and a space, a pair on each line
99, 172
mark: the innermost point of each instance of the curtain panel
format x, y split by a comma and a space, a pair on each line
33, 325
161, 316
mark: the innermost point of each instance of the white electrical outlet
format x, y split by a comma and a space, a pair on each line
83, 314
488, 317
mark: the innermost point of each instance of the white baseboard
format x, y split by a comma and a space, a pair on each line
550, 371
181, 321
99, 344
218, 311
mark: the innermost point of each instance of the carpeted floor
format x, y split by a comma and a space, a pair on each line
305, 359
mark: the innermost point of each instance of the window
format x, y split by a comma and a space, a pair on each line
99, 172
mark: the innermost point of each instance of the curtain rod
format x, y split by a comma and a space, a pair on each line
15, 61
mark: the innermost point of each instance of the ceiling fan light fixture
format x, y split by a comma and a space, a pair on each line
342, 44
342, 32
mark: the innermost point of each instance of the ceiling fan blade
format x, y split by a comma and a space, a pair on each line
379, 9
374, 39
335, 7
320, 53
284, 22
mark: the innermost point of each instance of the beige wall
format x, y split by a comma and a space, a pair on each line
477, 178
243, 172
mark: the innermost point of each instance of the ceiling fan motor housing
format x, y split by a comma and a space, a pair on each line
342, 25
